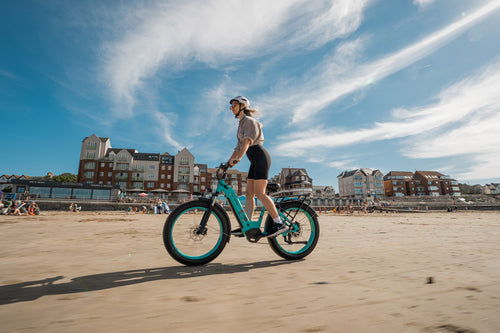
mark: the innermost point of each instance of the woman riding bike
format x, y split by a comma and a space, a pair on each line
250, 139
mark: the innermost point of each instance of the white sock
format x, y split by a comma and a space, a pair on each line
277, 220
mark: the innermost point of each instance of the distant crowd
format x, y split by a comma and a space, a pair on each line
158, 207
19, 207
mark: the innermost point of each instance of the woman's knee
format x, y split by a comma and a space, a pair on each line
261, 196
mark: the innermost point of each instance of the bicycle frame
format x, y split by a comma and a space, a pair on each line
251, 229
239, 211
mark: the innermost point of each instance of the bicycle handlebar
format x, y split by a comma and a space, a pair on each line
223, 167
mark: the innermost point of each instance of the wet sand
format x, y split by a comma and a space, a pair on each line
109, 272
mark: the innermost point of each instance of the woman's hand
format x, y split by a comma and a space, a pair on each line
233, 162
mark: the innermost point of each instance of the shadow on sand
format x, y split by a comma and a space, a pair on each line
32, 290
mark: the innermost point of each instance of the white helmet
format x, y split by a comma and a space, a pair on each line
241, 100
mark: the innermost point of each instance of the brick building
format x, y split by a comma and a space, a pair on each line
420, 183
293, 182
176, 176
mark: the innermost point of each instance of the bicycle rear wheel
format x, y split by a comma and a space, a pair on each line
303, 235
186, 243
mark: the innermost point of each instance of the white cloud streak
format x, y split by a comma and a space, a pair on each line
422, 3
465, 121
475, 94
322, 90
174, 35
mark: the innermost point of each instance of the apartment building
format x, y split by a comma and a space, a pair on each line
493, 188
170, 175
399, 184
323, 196
293, 182
436, 184
361, 183
420, 183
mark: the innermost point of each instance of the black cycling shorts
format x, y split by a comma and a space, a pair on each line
260, 162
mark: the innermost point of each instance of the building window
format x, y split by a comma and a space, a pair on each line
162, 176
90, 156
92, 145
90, 166
110, 165
88, 174
109, 174
168, 185
169, 176
101, 174
163, 167
122, 166
151, 185
152, 167
162, 185
169, 167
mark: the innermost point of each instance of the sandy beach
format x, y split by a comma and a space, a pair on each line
109, 272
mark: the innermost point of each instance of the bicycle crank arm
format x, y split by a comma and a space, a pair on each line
254, 235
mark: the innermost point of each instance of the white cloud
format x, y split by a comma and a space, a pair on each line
166, 122
348, 164
478, 140
422, 3
477, 94
174, 35
465, 121
338, 81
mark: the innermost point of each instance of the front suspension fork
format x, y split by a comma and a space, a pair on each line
206, 215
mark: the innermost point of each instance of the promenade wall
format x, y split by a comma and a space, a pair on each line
400, 206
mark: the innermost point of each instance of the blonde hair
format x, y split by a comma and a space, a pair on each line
251, 112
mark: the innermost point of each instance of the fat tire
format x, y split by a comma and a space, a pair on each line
183, 209
313, 220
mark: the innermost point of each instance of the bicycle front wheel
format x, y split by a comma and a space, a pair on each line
186, 242
303, 235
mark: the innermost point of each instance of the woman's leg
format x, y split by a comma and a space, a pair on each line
259, 187
249, 201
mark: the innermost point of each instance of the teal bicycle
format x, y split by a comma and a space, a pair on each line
197, 231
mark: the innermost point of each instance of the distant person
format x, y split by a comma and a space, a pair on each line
33, 209
19, 208
74, 208
165, 207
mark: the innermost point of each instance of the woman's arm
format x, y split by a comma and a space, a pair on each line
237, 155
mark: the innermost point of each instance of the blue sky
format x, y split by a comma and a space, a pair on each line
390, 85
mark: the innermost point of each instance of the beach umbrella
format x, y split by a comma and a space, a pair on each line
143, 194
